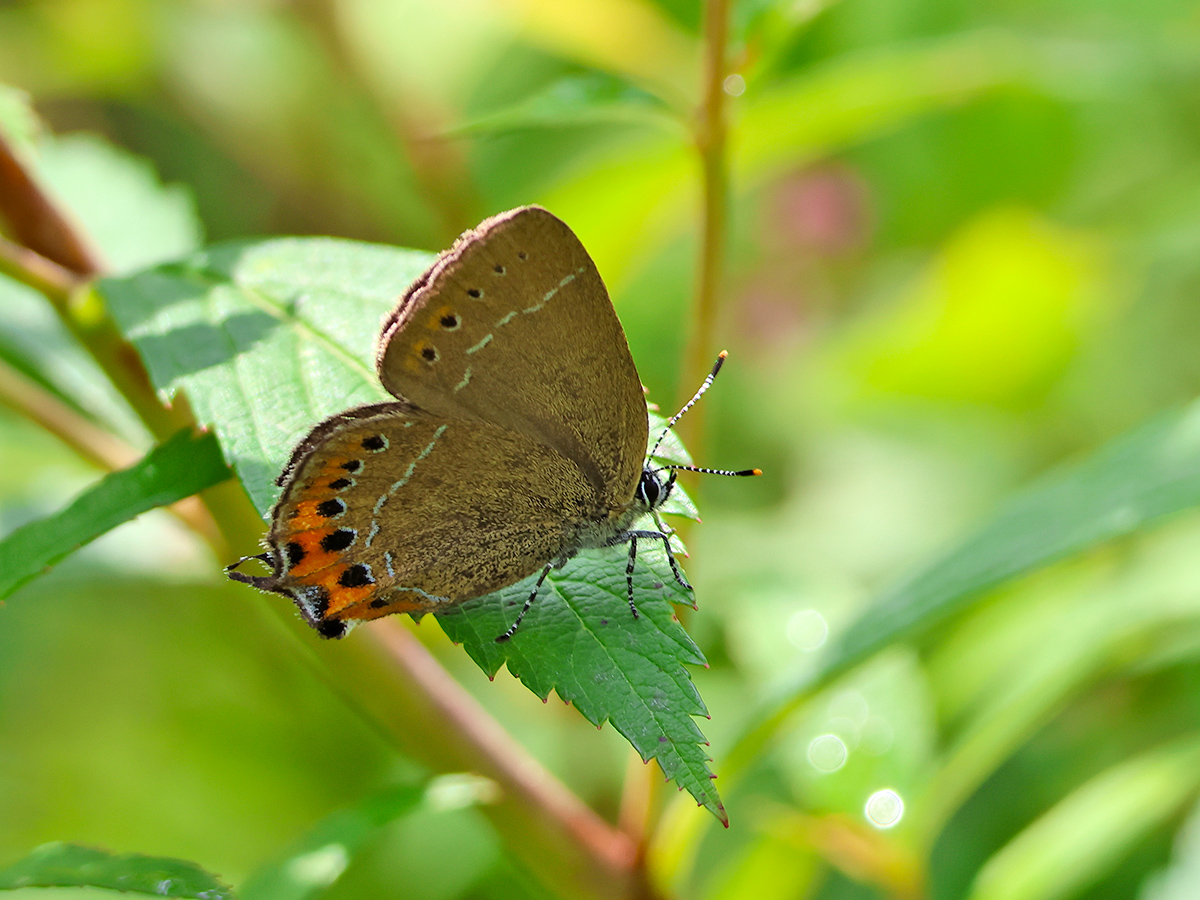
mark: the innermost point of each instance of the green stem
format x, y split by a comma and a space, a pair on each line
712, 145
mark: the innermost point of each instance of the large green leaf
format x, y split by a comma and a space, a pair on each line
267, 339
581, 640
178, 468
270, 338
1082, 838
69, 865
1132, 482
1121, 489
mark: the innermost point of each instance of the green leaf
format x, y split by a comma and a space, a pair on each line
1085, 835
69, 865
317, 860
596, 98
134, 219
580, 639
1123, 488
177, 468
268, 339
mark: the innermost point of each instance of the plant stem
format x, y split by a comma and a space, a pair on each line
711, 143
43, 275
539, 816
711, 132
36, 220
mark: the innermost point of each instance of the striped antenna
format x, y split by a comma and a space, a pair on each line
675, 418
738, 474
696, 396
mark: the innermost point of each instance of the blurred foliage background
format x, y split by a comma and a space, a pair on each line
965, 247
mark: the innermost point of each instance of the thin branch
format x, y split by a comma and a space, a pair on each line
101, 448
36, 220
711, 137
43, 275
32, 401
711, 142
602, 859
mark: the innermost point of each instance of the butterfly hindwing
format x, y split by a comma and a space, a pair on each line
390, 509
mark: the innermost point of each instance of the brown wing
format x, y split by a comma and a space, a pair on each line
388, 509
514, 326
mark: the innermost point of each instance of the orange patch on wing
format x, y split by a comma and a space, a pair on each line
366, 612
333, 466
340, 596
316, 558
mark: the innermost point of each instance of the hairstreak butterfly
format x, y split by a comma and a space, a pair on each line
517, 438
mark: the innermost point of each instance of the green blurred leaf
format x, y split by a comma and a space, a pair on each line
35, 341
1178, 881
1084, 836
132, 217
177, 468
1121, 489
18, 122
70, 865
268, 339
861, 94
317, 860
576, 100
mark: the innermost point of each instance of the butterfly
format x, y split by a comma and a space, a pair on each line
517, 438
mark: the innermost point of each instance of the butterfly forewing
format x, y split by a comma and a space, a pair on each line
513, 326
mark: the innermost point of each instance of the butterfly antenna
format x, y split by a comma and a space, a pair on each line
739, 474
696, 396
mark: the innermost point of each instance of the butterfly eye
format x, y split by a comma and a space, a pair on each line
649, 489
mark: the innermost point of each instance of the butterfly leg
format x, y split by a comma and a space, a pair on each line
629, 573
665, 538
528, 603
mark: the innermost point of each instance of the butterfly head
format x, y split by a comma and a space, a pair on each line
653, 490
